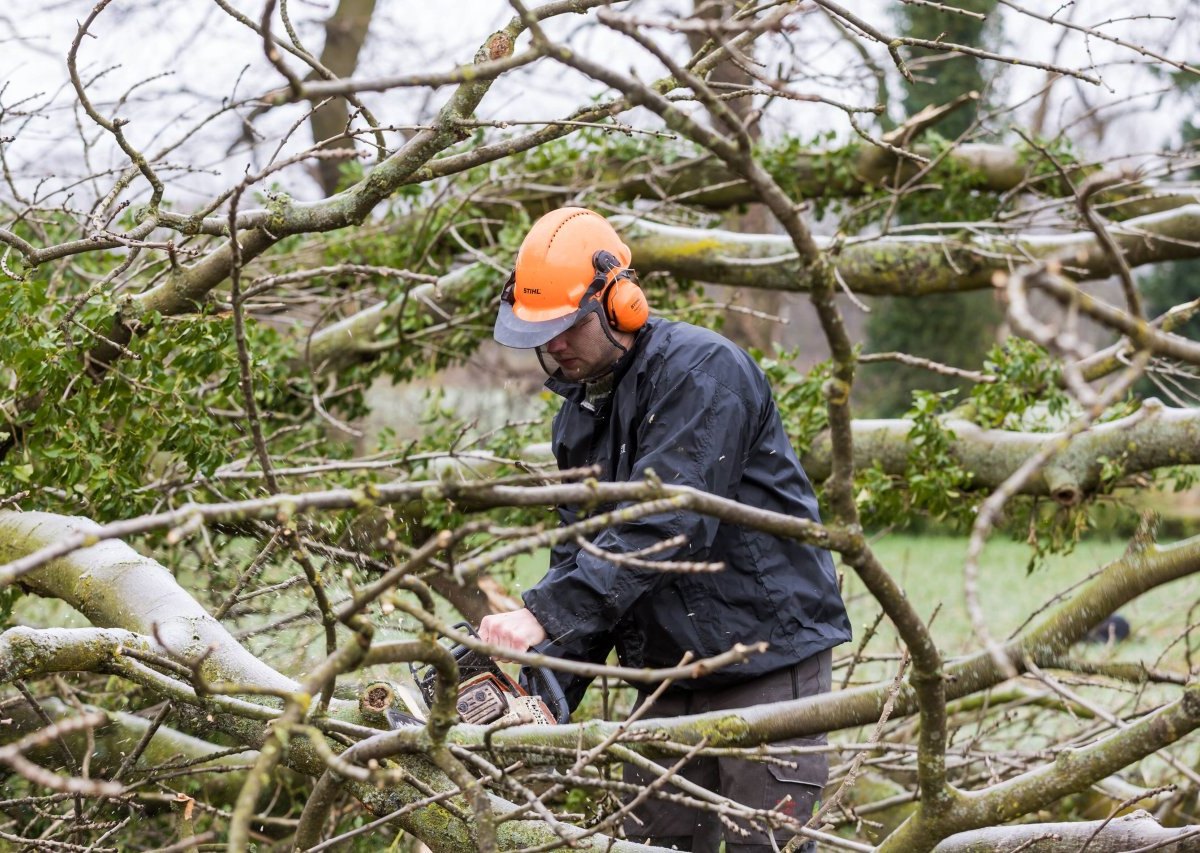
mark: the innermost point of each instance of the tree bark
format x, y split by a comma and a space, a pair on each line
113, 742
1135, 831
903, 266
116, 587
1154, 437
345, 32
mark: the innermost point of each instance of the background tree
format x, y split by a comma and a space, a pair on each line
1173, 283
753, 316
212, 574
345, 32
953, 328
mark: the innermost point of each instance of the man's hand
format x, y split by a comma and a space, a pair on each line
516, 630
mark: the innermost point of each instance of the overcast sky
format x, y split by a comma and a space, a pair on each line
182, 60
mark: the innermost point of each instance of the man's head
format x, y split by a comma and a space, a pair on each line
572, 294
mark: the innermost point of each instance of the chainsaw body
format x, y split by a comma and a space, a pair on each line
486, 699
487, 695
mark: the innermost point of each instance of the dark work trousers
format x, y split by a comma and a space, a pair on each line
751, 783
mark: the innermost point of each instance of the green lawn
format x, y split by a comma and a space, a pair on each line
929, 568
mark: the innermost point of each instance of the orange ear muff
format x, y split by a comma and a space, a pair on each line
626, 304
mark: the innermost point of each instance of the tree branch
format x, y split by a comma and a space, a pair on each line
1154, 437
904, 266
1136, 831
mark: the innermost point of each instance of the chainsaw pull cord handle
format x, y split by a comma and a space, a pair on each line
541, 681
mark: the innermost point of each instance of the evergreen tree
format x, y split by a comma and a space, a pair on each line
1170, 284
954, 329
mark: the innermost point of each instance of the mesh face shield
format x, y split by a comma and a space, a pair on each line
593, 350
549, 365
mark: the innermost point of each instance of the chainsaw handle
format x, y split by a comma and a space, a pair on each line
542, 682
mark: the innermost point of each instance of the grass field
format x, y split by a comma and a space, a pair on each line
929, 568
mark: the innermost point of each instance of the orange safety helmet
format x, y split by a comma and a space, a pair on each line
570, 263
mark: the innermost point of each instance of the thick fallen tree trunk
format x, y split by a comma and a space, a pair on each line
116, 587
903, 266
1137, 831
1154, 437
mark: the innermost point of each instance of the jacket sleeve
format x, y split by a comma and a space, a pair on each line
696, 431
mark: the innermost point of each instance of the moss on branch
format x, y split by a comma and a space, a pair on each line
1154, 437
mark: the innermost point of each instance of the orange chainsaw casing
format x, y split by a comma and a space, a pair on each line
485, 699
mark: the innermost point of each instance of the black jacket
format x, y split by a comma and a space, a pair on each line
698, 411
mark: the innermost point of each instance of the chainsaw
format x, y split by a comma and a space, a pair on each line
487, 694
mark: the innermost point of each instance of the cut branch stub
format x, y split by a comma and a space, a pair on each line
375, 699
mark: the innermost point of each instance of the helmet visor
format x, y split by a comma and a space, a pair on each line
511, 331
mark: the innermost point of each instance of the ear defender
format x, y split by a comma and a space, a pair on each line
624, 302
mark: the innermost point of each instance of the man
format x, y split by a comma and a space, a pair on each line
641, 395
